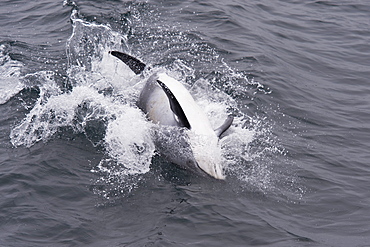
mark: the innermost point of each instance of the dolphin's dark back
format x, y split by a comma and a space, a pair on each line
135, 64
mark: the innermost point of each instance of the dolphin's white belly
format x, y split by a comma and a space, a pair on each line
196, 116
158, 109
154, 102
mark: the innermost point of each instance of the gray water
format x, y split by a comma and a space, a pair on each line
78, 165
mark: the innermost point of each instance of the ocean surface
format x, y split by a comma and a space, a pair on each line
78, 161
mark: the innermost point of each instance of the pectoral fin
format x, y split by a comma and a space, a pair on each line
220, 130
175, 106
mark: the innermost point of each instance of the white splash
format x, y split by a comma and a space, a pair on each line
128, 139
10, 76
103, 91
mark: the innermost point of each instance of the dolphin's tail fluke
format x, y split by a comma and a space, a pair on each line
135, 64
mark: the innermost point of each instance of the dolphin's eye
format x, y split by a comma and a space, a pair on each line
190, 163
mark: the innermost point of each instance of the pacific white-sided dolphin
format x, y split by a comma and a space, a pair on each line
167, 102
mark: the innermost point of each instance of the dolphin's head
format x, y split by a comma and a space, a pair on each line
207, 154
200, 154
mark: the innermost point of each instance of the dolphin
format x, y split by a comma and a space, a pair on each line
167, 102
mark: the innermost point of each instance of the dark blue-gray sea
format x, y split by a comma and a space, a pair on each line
78, 161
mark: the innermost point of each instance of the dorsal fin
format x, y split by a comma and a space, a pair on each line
175, 106
220, 130
135, 64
